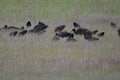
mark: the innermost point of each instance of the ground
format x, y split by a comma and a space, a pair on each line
36, 57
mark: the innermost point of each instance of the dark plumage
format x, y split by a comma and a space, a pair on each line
88, 34
63, 34
39, 28
16, 28
101, 34
113, 24
119, 31
95, 31
28, 24
71, 35
59, 28
71, 38
4, 28
12, 28
79, 31
76, 25
22, 33
13, 33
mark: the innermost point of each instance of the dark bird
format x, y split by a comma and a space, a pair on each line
28, 24
71, 38
119, 31
13, 33
95, 31
59, 28
88, 34
101, 34
16, 28
12, 28
41, 23
76, 25
39, 28
112, 24
63, 34
22, 33
79, 31
5, 27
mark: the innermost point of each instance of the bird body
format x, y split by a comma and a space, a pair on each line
39, 28
28, 24
63, 34
16, 28
22, 33
76, 25
59, 28
79, 31
113, 24
13, 33
101, 34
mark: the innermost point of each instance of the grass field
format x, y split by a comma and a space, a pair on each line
36, 57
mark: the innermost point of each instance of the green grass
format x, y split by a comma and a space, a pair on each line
36, 57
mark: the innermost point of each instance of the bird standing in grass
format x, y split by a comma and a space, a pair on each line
112, 24
28, 24
63, 34
59, 28
76, 25
101, 34
22, 33
13, 33
71, 38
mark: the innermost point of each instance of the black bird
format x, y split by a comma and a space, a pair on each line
13, 33
101, 34
16, 28
79, 31
22, 33
76, 25
88, 34
95, 31
71, 38
63, 34
28, 24
119, 31
12, 28
39, 28
5, 27
59, 28
113, 24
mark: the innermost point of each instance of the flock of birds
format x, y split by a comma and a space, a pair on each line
59, 33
